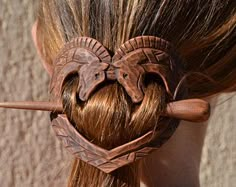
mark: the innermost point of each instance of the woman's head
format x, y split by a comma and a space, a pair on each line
202, 31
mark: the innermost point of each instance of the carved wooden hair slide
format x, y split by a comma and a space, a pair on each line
89, 59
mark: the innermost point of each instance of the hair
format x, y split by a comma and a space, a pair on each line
203, 33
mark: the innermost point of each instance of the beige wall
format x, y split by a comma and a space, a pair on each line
31, 156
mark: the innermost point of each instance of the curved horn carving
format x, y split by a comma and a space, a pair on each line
84, 56
146, 55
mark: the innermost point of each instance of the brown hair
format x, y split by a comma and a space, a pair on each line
202, 31
109, 119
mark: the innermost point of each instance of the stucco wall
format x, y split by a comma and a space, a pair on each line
31, 156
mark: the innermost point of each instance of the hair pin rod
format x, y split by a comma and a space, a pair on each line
195, 110
33, 105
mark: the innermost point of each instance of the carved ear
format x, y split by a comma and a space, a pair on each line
194, 110
161, 71
59, 76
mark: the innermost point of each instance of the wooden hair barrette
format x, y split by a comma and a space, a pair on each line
136, 58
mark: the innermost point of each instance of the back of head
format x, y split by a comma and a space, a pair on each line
202, 32
110, 119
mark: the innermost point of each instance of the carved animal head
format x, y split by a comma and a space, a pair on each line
90, 76
131, 62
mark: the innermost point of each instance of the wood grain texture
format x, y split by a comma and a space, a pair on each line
136, 58
131, 63
31, 155
105, 160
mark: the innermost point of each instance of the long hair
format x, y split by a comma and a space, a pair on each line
202, 31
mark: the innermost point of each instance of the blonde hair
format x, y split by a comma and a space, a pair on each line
202, 31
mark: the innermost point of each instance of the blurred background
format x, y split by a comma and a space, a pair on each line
30, 154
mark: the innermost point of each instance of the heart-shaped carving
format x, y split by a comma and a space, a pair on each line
132, 61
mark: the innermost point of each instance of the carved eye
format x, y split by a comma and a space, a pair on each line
125, 75
97, 76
